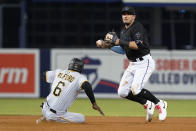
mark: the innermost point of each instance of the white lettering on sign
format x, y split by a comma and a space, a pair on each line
14, 75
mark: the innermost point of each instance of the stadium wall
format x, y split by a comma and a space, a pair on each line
21, 72
173, 78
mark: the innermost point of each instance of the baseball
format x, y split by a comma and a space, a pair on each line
99, 43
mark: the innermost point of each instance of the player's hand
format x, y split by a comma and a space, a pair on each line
96, 107
102, 44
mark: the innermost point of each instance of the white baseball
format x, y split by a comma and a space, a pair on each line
99, 42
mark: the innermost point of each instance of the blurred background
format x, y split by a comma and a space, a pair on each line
79, 23
40, 35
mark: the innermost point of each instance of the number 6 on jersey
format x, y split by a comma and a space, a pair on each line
57, 90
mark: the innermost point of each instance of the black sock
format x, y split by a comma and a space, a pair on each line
148, 95
136, 99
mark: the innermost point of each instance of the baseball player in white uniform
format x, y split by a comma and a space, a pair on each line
65, 86
134, 43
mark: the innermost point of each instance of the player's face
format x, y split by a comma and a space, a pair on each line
128, 18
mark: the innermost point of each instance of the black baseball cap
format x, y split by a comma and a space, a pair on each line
129, 10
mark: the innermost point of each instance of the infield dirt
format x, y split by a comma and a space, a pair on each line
27, 123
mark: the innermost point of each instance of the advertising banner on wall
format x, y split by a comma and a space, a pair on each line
175, 74
103, 68
173, 78
19, 73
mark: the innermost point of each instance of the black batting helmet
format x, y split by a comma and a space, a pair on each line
76, 65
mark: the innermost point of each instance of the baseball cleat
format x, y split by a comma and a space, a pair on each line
149, 106
162, 109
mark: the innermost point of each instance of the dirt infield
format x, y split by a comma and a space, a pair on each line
27, 123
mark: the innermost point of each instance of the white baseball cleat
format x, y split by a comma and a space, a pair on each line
149, 106
162, 109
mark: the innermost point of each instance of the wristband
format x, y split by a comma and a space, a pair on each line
122, 42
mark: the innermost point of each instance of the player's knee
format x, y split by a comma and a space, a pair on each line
135, 89
122, 93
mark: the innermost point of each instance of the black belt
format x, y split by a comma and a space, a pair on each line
137, 59
52, 110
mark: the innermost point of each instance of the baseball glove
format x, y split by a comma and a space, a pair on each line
111, 38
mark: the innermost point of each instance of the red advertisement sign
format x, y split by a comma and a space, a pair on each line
17, 73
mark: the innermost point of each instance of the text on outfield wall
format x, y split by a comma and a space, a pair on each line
13, 75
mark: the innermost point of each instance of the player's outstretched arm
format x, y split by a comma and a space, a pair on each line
89, 92
118, 50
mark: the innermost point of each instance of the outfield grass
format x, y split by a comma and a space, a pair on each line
111, 107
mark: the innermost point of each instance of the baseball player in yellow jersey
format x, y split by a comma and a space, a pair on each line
65, 86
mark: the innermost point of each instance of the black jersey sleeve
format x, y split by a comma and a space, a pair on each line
138, 34
88, 90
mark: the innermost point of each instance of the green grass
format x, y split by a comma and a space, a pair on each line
20, 106
111, 107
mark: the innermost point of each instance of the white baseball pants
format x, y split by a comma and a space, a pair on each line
63, 117
136, 75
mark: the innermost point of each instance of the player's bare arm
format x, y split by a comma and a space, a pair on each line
89, 92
